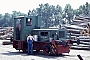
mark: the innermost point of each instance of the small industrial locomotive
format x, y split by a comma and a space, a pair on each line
51, 41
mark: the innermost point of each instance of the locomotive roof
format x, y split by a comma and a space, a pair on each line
45, 29
19, 16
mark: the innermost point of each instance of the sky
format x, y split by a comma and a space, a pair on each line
7, 6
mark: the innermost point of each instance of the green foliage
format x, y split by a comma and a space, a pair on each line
68, 13
7, 19
53, 15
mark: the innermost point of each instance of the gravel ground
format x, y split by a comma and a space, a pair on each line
7, 52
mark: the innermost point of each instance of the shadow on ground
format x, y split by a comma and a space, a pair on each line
37, 54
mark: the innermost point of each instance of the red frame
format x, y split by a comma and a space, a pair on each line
22, 45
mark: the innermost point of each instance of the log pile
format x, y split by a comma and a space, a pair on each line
6, 33
80, 28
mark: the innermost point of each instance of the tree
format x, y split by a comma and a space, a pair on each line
53, 15
58, 15
15, 13
33, 12
86, 9
68, 13
29, 13
6, 19
83, 9
1, 19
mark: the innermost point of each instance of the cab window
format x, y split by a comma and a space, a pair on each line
61, 34
28, 21
44, 33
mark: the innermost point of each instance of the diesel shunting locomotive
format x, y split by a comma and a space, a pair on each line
51, 41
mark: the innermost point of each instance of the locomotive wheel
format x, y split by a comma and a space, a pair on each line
47, 49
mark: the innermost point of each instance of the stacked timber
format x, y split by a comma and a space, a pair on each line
6, 32
84, 43
73, 30
78, 30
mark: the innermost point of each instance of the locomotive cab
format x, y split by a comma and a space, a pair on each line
26, 25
